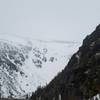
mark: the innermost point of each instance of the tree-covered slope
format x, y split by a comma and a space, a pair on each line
80, 80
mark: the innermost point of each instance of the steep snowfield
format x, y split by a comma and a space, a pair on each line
26, 64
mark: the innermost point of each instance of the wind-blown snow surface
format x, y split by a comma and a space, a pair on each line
26, 64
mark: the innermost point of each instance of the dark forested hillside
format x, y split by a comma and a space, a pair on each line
81, 77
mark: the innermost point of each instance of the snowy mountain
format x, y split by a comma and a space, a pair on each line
80, 79
26, 64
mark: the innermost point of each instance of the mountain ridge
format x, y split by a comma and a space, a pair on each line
27, 64
80, 80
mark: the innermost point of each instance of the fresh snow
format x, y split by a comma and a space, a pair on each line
96, 97
43, 61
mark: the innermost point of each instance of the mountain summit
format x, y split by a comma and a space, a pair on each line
80, 80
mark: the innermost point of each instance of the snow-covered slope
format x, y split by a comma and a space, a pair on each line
96, 97
26, 64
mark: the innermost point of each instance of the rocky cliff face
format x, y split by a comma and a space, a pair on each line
80, 80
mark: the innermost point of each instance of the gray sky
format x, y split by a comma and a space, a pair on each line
49, 19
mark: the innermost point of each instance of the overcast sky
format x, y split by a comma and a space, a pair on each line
49, 19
